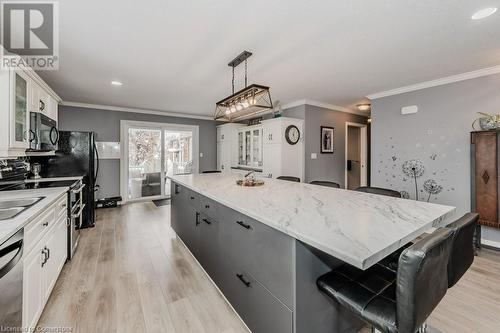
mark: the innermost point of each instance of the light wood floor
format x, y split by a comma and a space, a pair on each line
130, 274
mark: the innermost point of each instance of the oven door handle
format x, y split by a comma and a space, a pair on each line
16, 246
79, 189
77, 215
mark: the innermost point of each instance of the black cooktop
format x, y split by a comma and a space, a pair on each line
16, 185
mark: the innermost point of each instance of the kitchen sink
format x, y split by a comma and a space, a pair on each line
10, 212
12, 207
23, 202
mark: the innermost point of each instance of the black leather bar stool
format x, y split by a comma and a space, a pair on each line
379, 190
289, 178
462, 254
211, 171
325, 183
395, 301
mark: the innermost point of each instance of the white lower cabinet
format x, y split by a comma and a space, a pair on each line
42, 266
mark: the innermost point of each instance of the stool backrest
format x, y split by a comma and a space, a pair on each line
422, 279
379, 190
325, 183
289, 178
462, 254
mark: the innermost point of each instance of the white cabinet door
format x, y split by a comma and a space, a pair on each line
19, 114
53, 108
272, 161
222, 134
272, 132
33, 96
33, 287
56, 255
224, 156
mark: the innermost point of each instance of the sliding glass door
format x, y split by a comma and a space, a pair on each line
178, 154
153, 151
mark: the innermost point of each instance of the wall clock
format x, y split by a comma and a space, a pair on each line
292, 134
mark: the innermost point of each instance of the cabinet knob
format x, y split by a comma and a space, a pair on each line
207, 206
45, 224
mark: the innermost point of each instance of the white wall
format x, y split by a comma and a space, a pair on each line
438, 135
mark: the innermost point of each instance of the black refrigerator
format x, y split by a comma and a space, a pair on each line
76, 155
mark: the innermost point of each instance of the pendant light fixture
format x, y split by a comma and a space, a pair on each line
249, 101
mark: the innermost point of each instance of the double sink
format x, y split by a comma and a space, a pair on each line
12, 207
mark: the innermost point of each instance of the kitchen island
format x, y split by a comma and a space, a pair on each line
264, 247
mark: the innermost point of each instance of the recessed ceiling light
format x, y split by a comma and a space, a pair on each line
116, 83
363, 107
483, 13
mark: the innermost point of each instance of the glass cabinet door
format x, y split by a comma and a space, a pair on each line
257, 148
20, 119
241, 149
248, 148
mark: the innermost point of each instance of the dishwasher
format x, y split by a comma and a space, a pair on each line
11, 283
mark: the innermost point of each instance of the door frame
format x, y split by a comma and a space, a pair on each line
124, 143
363, 181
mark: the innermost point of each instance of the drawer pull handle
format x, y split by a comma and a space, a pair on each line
45, 224
197, 218
246, 226
207, 221
246, 283
207, 206
192, 198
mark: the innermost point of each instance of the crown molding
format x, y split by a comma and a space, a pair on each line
324, 106
135, 110
437, 82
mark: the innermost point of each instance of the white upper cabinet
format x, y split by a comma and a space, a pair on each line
21, 92
273, 131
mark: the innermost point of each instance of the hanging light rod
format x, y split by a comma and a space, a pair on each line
247, 102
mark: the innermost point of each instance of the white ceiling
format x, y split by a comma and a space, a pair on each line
173, 55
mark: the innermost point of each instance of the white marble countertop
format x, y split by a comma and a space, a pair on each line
11, 226
357, 228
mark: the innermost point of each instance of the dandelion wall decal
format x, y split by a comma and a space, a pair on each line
414, 169
432, 187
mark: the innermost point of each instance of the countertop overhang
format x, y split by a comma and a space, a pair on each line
357, 228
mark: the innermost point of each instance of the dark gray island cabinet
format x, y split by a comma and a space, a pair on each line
267, 276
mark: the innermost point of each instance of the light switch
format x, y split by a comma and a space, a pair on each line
201, 154
314, 156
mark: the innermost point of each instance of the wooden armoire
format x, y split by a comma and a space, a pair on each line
485, 147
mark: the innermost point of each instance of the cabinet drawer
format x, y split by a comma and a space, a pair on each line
37, 228
192, 198
61, 207
209, 207
265, 253
259, 309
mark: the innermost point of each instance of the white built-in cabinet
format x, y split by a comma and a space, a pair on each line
261, 147
22, 91
227, 140
46, 251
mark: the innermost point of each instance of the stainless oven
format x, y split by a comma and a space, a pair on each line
75, 209
43, 133
11, 283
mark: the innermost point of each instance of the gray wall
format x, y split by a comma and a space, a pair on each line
438, 135
106, 124
326, 166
